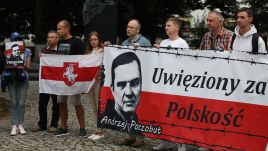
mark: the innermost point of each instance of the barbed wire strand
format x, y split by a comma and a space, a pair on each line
252, 62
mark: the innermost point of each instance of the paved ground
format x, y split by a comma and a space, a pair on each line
42, 141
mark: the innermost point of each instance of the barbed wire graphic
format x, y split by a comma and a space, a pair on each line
196, 56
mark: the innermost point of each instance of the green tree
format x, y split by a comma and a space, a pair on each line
151, 13
16, 16
227, 7
39, 16
126, 11
50, 12
195, 4
199, 31
260, 11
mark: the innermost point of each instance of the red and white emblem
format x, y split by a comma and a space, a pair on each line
70, 72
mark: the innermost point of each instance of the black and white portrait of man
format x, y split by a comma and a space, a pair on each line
126, 84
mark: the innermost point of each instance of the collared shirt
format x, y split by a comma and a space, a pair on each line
142, 41
55, 48
111, 113
222, 41
49, 50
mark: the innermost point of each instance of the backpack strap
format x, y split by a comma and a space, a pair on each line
255, 40
233, 38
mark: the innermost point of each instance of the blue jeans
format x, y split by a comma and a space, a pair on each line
17, 92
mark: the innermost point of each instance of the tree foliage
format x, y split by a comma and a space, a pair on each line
199, 31
260, 11
38, 16
195, 4
16, 16
151, 13
50, 12
227, 7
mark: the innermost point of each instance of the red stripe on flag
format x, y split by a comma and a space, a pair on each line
56, 73
215, 124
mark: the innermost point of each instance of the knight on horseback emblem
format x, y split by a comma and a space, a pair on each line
70, 74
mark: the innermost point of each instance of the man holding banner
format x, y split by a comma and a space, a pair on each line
69, 45
51, 48
174, 41
134, 39
245, 36
218, 38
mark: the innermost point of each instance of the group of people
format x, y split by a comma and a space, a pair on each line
244, 38
58, 42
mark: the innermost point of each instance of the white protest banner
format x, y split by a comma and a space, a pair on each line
213, 99
68, 74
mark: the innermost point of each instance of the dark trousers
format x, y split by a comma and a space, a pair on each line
43, 102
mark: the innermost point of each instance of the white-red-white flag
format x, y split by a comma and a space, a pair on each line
68, 74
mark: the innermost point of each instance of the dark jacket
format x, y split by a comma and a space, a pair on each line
112, 114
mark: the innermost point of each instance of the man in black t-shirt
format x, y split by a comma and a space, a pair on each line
69, 45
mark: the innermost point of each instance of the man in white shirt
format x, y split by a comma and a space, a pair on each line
175, 41
172, 30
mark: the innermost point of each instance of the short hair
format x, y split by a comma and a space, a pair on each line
221, 19
247, 10
54, 32
138, 22
122, 59
175, 20
66, 24
15, 45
